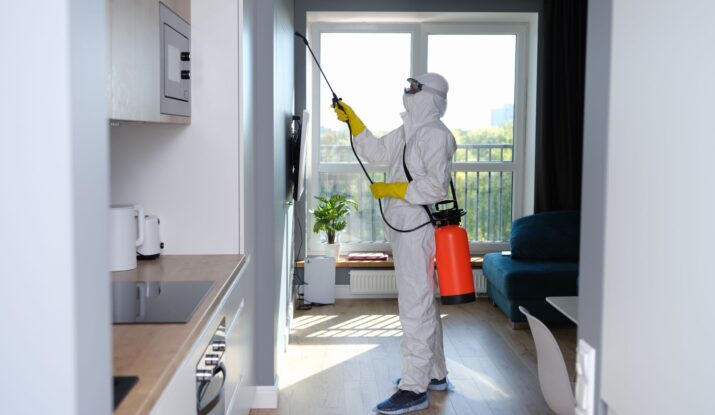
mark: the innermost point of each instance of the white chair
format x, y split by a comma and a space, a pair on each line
553, 377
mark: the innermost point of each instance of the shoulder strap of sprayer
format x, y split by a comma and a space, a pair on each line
409, 179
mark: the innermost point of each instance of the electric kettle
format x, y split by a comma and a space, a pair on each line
152, 246
127, 235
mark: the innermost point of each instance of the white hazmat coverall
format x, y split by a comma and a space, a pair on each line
429, 150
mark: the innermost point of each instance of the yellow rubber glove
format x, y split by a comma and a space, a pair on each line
396, 190
348, 115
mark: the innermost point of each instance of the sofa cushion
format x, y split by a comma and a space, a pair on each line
547, 236
523, 279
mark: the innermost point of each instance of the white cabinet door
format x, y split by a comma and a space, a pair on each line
179, 396
135, 55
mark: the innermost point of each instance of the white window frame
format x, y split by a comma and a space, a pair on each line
524, 110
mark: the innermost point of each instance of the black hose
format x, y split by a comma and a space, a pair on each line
379, 201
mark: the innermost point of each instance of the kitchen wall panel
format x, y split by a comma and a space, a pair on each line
189, 175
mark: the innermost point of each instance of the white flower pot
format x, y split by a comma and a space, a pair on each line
332, 250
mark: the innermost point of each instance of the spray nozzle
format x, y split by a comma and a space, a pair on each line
335, 97
302, 37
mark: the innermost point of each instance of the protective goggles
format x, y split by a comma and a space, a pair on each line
416, 86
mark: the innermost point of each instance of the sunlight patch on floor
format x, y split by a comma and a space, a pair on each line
304, 322
366, 325
482, 379
296, 370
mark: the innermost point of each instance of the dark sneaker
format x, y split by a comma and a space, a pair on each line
434, 384
403, 402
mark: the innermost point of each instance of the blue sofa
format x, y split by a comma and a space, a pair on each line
543, 263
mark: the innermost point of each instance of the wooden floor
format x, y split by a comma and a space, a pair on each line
343, 358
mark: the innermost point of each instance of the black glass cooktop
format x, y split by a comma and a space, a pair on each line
156, 302
122, 386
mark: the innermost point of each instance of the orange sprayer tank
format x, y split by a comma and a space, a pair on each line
454, 267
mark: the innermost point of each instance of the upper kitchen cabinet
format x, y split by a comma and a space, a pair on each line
151, 61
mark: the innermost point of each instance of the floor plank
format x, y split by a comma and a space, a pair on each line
344, 358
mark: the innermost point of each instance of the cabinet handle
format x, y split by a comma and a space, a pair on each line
185, 56
185, 74
201, 390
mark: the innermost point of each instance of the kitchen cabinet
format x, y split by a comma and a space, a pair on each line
136, 59
179, 396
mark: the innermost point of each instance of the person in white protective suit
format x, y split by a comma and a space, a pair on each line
428, 147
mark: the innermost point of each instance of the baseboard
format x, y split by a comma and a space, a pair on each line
342, 291
266, 397
242, 396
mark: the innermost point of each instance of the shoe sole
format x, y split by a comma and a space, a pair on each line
413, 408
439, 388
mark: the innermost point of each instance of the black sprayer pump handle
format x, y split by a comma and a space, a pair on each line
336, 102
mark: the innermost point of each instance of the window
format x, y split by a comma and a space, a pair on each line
368, 65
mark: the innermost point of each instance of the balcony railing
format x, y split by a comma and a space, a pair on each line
484, 191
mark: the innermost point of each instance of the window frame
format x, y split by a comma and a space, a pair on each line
420, 32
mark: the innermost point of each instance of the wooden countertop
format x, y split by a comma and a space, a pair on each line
154, 351
343, 262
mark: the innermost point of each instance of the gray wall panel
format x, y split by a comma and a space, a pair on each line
593, 202
273, 105
248, 149
263, 197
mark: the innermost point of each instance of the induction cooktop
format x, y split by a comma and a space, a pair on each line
142, 302
122, 386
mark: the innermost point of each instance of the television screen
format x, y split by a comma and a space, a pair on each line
304, 141
298, 146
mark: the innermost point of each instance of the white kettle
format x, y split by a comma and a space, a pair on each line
152, 246
127, 235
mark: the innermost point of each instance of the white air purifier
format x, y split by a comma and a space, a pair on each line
319, 273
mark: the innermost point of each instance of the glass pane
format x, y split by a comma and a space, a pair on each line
365, 225
487, 198
480, 70
369, 71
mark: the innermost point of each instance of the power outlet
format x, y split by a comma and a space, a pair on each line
585, 379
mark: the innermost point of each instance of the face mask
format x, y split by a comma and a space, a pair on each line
408, 100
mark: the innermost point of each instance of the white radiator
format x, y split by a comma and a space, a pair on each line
480, 282
383, 282
372, 282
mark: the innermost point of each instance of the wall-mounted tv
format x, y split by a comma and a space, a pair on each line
298, 144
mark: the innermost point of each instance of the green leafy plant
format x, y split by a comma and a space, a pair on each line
330, 215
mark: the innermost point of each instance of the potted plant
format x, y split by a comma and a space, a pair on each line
330, 216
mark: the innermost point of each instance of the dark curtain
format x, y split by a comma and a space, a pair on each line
559, 147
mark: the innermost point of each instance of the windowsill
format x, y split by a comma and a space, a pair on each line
343, 262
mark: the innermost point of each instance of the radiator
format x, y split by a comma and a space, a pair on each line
383, 282
480, 282
372, 282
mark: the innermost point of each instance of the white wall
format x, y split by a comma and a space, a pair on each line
54, 298
658, 327
189, 175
